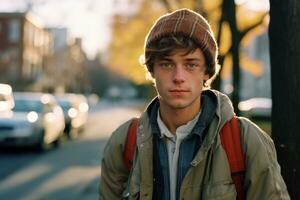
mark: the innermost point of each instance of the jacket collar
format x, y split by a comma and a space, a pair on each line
223, 113
209, 105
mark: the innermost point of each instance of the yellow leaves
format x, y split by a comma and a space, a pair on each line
251, 35
225, 42
128, 41
188, 4
226, 67
254, 67
247, 18
209, 5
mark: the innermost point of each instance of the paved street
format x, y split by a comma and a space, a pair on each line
69, 172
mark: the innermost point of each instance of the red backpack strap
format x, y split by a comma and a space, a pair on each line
130, 144
231, 142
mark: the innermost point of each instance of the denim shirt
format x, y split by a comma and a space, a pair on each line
188, 148
173, 142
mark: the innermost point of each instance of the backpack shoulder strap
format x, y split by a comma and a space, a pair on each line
231, 142
130, 144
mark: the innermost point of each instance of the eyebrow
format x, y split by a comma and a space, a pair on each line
187, 59
194, 59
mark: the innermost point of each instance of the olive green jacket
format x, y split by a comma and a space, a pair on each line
209, 176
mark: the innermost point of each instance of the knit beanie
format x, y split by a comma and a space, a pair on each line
185, 22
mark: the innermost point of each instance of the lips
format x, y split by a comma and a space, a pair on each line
178, 92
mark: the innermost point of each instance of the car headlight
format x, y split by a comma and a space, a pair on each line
32, 117
72, 112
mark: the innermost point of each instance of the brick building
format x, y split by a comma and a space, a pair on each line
24, 48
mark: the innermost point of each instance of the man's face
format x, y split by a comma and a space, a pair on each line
179, 78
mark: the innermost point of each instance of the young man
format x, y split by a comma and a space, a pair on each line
179, 153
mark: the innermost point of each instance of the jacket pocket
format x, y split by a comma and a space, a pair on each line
219, 191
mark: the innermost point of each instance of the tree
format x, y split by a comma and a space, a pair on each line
285, 80
230, 16
239, 27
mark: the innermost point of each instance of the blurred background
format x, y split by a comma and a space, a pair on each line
74, 65
94, 46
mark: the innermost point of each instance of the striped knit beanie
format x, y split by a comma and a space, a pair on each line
188, 23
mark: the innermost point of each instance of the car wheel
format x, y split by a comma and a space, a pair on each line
68, 129
73, 134
81, 129
42, 145
59, 140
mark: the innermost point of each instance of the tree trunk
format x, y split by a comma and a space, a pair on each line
229, 8
285, 80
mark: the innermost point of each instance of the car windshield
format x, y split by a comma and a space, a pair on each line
22, 105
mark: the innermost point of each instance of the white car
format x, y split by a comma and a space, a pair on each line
6, 98
75, 108
257, 108
36, 120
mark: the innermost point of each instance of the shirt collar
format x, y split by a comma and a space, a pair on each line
209, 105
182, 130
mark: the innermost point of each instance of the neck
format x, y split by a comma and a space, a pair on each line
175, 117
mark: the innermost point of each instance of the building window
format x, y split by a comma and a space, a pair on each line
14, 30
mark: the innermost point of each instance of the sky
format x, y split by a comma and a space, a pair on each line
88, 19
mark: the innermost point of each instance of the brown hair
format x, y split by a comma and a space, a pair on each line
166, 45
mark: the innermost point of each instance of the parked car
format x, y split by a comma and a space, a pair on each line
258, 110
6, 97
36, 120
75, 108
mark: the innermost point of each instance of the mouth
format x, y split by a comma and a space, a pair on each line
178, 92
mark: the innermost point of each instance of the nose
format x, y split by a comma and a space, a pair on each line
178, 75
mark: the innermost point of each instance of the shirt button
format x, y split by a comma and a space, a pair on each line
142, 145
141, 127
173, 149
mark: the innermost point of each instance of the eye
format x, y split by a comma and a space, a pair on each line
166, 65
191, 66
